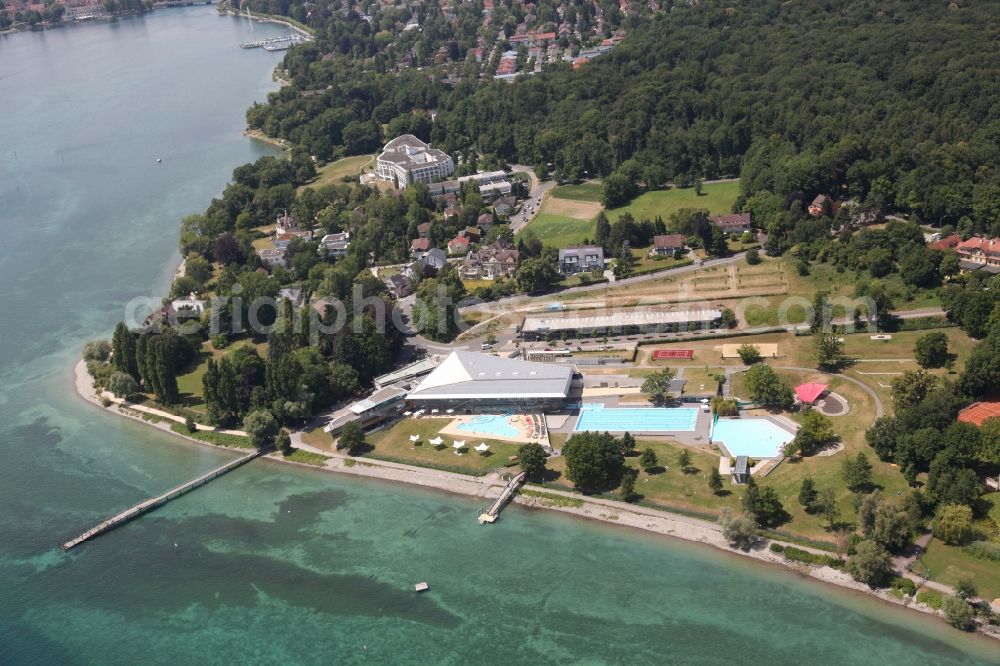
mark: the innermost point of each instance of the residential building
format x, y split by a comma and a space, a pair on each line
293, 294
581, 259
424, 230
819, 205
459, 244
419, 247
949, 243
495, 189
979, 254
190, 304
735, 223
474, 234
498, 259
470, 382
665, 245
336, 245
398, 286
286, 224
445, 188
504, 206
274, 257
436, 258
484, 177
485, 222
406, 159
286, 239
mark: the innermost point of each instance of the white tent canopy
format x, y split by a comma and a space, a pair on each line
407, 413
459, 444
414, 438
450, 411
436, 441
483, 447
434, 411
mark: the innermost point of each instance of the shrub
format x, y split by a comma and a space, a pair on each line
777, 548
931, 598
959, 614
984, 550
904, 585
804, 556
753, 257
97, 350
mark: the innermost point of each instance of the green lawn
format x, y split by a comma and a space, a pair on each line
394, 444
561, 231
581, 192
825, 277
670, 487
947, 564
717, 198
189, 384
332, 173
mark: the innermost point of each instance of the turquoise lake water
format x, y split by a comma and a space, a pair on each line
273, 564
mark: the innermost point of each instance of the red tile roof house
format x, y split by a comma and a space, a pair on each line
736, 223
665, 245
979, 254
419, 247
949, 243
458, 245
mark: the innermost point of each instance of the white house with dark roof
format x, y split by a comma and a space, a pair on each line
406, 159
582, 259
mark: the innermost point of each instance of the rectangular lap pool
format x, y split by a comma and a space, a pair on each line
640, 419
755, 438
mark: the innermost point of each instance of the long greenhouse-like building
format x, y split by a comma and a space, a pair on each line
470, 382
620, 323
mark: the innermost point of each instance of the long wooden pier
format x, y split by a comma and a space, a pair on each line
155, 502
508, 493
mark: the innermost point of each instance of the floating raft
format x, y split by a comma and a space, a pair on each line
421, 587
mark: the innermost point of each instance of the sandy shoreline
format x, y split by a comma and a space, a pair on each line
606, 511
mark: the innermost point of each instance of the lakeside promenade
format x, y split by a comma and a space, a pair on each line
490, 486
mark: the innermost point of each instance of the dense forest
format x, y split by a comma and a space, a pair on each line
894, 102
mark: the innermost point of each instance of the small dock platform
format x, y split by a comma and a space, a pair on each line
274, 43
491, 514
421, 587
158, 501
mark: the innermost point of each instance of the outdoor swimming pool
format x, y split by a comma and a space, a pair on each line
490, 424
755, 438
640, 419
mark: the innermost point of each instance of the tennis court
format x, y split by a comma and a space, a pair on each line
662, 354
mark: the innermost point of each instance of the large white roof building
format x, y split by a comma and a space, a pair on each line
406, 159
474, 382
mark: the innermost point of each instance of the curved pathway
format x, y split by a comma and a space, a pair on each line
879, 409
